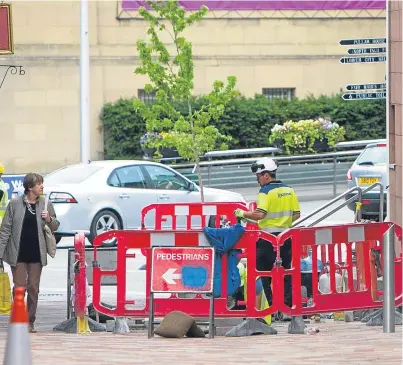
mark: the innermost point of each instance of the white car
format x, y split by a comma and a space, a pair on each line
104, 195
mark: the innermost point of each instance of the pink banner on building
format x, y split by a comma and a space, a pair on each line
269, 5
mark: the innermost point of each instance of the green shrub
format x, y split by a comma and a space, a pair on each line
249, 120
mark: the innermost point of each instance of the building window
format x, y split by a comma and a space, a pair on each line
146, 97
279, 92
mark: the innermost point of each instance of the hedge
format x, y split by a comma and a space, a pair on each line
249, 120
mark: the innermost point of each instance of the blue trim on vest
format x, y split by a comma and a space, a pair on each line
271, 186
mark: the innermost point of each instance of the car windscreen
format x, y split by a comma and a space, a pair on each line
372, 156
71, 174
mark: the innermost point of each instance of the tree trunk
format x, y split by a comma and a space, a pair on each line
196, 154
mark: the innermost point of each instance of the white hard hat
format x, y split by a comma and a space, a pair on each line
264, 164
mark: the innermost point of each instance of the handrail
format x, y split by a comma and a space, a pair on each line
319, 156
328, 204
271, 150
359, 195
336, 209
353, 144
244, 151
381, 197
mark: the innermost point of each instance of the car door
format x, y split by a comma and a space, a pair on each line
170, 186
132, 194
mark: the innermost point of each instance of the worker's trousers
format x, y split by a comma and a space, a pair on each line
265, 259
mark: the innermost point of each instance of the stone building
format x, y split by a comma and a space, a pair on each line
277, 50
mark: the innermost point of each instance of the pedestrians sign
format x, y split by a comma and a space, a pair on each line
364, 41
356, 51
365, 59
182, 269
366, 86
365, 96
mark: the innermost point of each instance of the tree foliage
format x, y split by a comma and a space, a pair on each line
172, 79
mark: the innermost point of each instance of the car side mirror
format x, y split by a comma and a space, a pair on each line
191, 187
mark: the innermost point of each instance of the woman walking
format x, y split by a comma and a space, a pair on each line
22, 240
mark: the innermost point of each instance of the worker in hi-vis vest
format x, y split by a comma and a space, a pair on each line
261, 301
277, 208
3, 195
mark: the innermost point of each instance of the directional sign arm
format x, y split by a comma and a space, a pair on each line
381, 94
361, 41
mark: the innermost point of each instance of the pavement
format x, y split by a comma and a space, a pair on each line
336, 343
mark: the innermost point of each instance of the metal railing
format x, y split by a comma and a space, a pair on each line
308, 171
328, 169
355, 198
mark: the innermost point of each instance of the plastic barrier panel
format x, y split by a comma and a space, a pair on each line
339, 287
80, 288
197, 306
183, 215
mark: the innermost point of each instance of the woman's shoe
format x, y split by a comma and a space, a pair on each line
32, 328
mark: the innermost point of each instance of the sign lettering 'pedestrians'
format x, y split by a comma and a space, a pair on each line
182, 269
356, 51
365, 59
364, 96
361, 41
354, 87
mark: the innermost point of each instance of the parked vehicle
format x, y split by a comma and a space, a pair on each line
105, 195
369, 168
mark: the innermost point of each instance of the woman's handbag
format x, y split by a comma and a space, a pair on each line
50, 241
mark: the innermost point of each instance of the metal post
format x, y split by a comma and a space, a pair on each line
334, 177
69, 283
359, 213
211, 328
151, 316
381, 202
85, 122
389, 280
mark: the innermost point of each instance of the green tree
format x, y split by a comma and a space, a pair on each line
172, 79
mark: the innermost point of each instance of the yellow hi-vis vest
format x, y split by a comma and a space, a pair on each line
278, 203
263, 301
4, 200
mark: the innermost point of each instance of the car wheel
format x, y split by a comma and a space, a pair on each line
104, 221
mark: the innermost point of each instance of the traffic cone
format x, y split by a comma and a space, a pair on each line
18, 349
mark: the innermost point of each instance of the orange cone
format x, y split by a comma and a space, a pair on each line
18, 350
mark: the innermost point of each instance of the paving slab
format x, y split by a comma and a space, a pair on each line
337, 343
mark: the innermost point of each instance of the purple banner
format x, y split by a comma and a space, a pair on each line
269, 5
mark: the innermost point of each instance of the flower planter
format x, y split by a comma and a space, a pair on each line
169, 152
321, 145
148, 153
166, 152
279, 143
